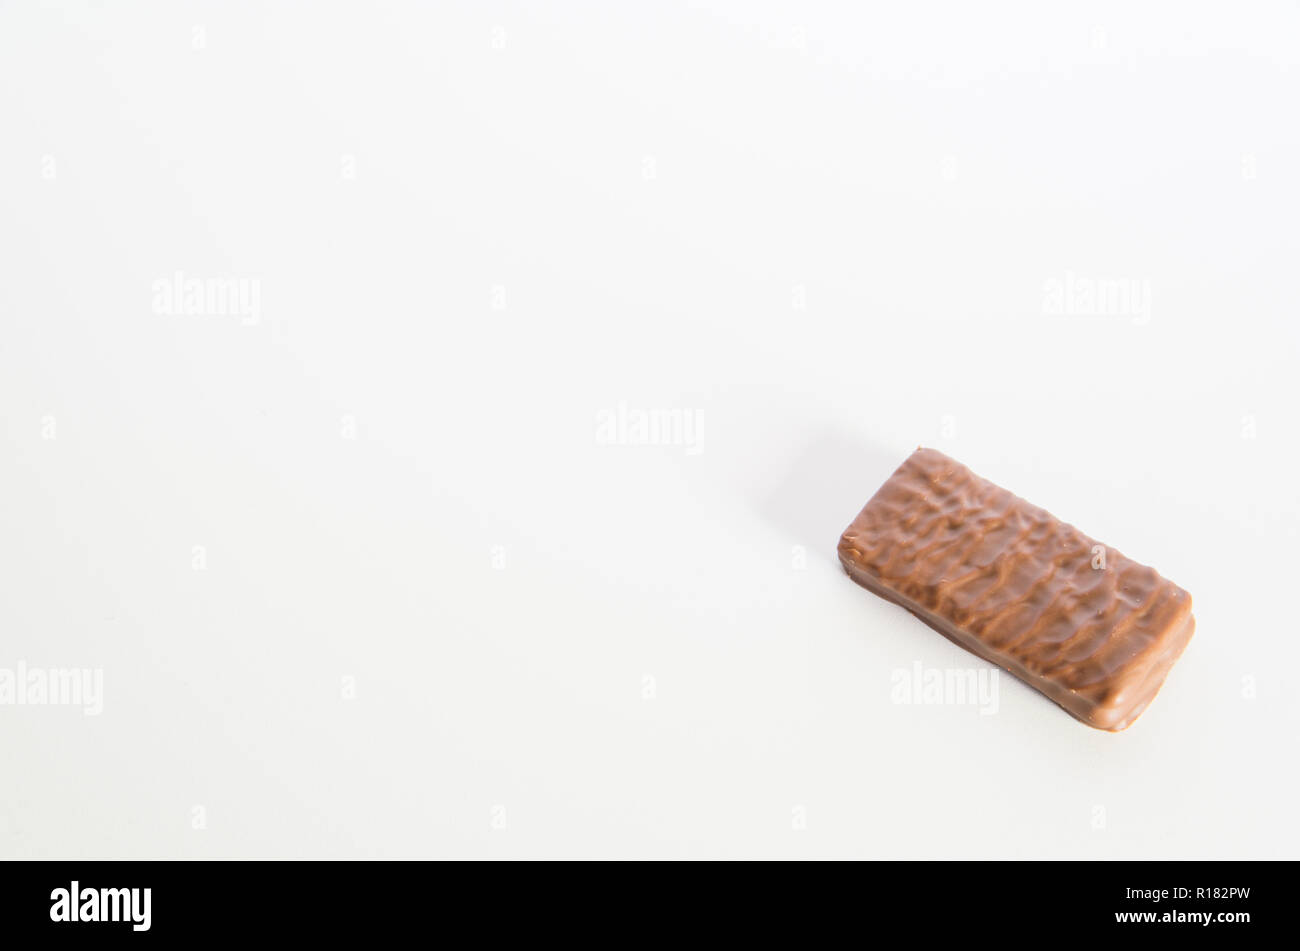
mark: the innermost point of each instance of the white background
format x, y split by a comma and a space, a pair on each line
825, 233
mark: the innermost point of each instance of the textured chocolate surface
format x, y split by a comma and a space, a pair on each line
1090, 628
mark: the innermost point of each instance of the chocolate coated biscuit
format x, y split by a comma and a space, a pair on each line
1088, 627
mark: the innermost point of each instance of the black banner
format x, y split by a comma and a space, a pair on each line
145, 901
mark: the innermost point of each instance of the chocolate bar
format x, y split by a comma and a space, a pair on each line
1091, 629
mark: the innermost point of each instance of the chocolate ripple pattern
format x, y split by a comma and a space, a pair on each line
1089, 628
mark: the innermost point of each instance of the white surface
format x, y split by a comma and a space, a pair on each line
656, 193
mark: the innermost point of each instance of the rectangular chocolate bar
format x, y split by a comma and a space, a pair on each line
1091, 629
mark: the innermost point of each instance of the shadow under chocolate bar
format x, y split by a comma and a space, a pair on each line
1091, 629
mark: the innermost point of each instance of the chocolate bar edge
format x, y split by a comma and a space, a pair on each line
1063, 697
